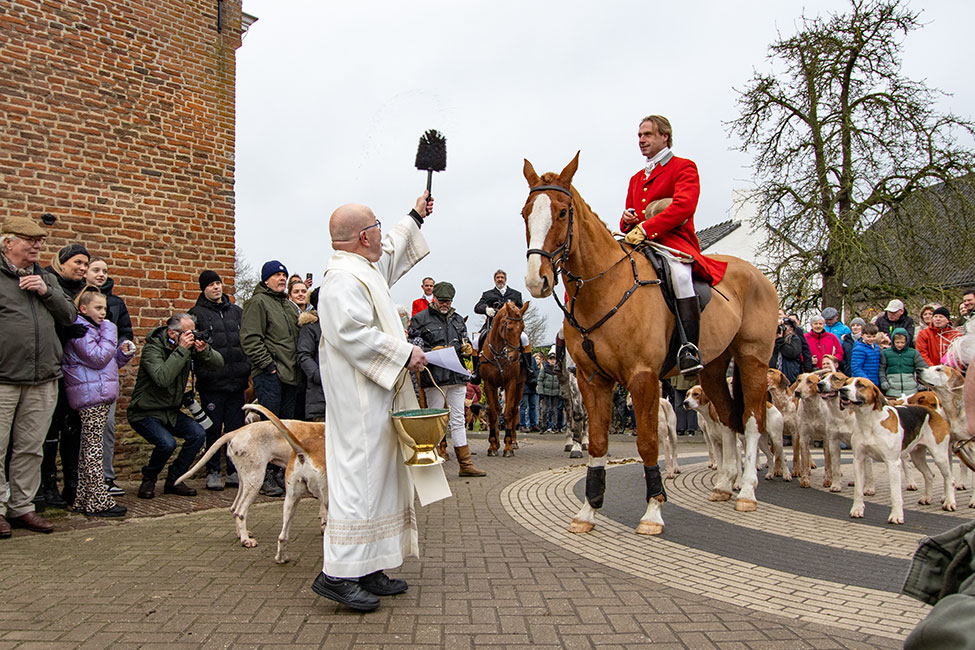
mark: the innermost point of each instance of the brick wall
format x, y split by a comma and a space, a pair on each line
118, 118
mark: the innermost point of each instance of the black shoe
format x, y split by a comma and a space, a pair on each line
346, 592
278, 473
270, 487
147, 489
53, 498
689, 359
114, 490
181, 489
382, 585
114, 511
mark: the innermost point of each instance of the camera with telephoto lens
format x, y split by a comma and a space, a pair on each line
196, 411
203, 335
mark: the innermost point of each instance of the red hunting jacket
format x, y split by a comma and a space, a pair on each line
675, 178
419, 305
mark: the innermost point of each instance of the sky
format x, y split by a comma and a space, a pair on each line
332, 98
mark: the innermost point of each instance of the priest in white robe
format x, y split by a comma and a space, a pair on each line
363, 353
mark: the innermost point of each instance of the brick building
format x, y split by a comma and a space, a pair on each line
118, 118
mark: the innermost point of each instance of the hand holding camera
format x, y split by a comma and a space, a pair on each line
186, 339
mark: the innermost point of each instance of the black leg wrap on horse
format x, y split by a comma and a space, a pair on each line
655, 485
595, 486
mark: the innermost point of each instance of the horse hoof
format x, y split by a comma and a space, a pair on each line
649, 528
568, 447
719, 495
492, 452
746, 505
575, 454
581, 526
507, 453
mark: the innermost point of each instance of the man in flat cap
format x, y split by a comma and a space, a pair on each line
33, 304
440, 326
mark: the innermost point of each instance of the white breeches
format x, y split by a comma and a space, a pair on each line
680, 276
524, 341
456, 393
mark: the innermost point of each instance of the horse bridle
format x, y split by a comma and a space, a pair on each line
559, 257
561, 251
503, 354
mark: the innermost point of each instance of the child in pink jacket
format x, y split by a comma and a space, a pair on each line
90, 365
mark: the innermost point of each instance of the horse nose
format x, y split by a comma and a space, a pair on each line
544, 284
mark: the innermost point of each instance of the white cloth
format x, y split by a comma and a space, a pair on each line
456, 394
681, 279
653, 162
363, 352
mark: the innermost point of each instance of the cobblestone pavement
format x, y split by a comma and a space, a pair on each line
497, 570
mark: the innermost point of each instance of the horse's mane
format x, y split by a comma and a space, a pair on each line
581, 207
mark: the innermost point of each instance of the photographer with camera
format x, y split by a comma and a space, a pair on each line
787, 351
170, 353
221, 391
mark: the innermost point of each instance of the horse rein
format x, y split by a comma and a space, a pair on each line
559, 257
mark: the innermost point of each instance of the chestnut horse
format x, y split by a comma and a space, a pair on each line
500, 369
618, 328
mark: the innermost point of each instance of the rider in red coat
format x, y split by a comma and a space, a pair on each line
669, 177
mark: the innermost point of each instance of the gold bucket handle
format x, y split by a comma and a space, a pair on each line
435, 384
965, 450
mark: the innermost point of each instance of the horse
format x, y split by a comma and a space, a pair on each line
500, 369
618, 328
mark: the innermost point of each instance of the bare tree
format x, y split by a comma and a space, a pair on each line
535, 326
245, 277
840, 138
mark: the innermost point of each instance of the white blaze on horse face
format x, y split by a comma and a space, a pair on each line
539, 223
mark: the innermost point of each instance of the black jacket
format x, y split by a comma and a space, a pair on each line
309, 336
492, 298
785, 356
224, 318
437, 330
118, 313
888, 326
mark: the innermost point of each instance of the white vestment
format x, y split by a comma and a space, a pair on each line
363, 352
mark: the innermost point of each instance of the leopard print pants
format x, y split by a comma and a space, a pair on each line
92, 492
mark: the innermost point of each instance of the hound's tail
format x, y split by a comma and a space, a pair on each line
279, 425
221, 441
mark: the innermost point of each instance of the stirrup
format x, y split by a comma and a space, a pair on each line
689, 353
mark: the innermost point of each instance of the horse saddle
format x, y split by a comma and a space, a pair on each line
702, 289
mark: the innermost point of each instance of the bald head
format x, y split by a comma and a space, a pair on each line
347, 221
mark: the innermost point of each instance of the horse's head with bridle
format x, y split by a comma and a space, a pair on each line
548, 215
508, 325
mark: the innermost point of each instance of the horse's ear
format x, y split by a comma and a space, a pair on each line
570, 170
524, 307
530, 174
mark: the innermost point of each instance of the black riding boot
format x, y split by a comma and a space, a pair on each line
689, 325
526, 363
475, 360
559, 355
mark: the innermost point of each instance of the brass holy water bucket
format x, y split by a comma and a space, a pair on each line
422, 430
965, 450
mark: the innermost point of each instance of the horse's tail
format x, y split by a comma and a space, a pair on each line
737, 402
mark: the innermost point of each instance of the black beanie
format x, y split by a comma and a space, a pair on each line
943, 311
207, 278
70, 251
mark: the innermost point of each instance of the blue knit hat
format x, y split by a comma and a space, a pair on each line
272, 267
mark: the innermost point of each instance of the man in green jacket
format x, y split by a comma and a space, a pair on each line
169, 355
33, 304
269, 336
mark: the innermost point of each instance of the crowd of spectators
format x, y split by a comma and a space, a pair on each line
890, 350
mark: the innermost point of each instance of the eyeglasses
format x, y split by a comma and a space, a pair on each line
33, 241
378, 224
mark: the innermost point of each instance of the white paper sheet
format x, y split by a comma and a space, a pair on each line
447, 358
430, 483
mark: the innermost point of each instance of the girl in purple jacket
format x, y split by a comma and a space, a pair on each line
90, 366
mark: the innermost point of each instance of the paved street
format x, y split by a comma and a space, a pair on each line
497, 569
